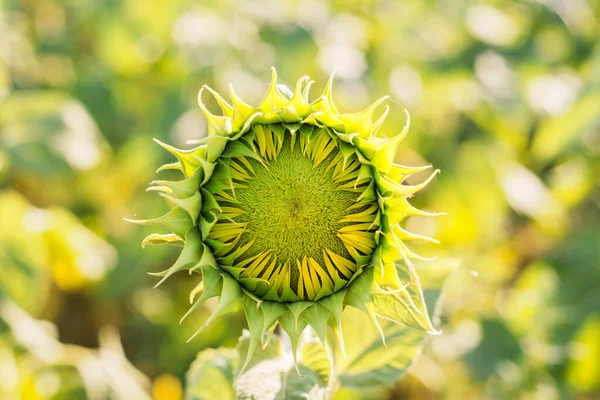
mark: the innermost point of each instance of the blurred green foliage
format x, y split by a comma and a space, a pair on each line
505, 100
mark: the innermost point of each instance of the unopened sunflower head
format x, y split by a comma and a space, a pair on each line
291, 211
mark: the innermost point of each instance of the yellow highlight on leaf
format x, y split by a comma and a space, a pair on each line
167, 387
583, 371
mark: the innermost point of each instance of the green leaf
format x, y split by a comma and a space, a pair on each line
314, 356
274, 379
245, 345
270, 374
371, 363
211, 375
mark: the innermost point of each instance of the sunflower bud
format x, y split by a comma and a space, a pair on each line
291, 211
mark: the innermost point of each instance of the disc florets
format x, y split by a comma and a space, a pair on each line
291, 210
295, 222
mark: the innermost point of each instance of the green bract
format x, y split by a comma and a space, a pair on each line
291, 210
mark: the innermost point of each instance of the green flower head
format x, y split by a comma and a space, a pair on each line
291, 211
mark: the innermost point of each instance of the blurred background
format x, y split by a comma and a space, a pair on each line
505, 100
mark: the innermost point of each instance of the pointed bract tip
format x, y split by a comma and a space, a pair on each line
297, 369
332, 75
133, 221
306, 90
200, 102
329, 84
196, 333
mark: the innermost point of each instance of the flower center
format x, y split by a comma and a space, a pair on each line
292, 210
292, 223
